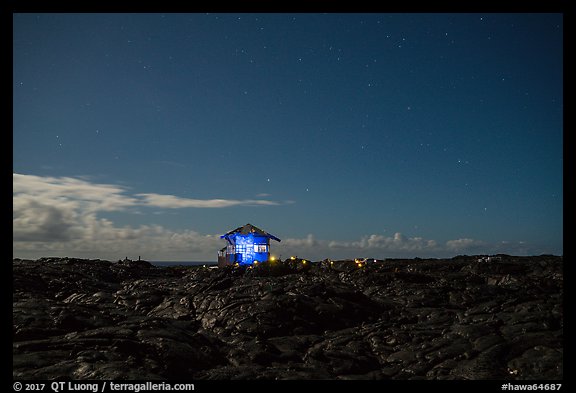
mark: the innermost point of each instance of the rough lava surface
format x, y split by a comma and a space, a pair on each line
395, 319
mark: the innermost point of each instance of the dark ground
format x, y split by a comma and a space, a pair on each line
397, 319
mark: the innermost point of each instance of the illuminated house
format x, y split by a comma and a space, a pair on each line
246, 245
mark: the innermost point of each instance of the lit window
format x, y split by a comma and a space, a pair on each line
260, 248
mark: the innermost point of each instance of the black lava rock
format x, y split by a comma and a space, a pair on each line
394, 319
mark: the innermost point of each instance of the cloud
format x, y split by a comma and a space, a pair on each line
60, 214
459, 245
60, 217
106, 197
152, 242
56, 190
174, 202
396, 246
373, 245
396, 243
35, 221
308, 242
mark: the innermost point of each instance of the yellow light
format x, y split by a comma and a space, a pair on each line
292, 258
304, 261
359, 265
272, 259
331, 262
255, 262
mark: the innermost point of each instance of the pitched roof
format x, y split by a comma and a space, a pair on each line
248, 229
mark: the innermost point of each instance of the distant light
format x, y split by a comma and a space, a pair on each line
292, 258
359, 265
272, 259
255, 262
304, 261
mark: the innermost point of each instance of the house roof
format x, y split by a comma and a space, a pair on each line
248, 229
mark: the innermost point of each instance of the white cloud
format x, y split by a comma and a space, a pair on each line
174, 202
37, 221
59, 217
395, 244
459, 245
93, 197
108, 242
78, 193
308, 242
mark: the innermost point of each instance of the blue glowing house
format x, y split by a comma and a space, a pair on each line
246, 245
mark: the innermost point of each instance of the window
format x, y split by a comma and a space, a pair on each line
240, 249
260, 248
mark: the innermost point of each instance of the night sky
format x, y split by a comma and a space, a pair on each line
345, 135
